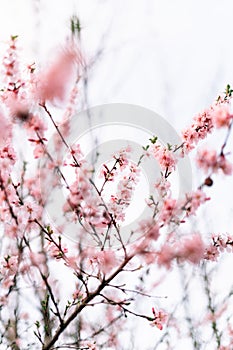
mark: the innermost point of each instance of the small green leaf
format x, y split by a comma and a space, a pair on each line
75, 25
37, 323
14, 37
153, 139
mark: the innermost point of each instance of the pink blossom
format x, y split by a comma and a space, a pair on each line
169, 210
17, 105
71, 106
35, 124
78, 294
162, 186
201, 127
5, 129
193, 201
220, 241
11, 231
209, 160
192, 249
80, 189
10, 265
166, 255
37, 259
165, 157
123, 157
125, 189
221, 116
32, 185
149, 228
9, 154
219, 244
211, 253
11, 62
54, 81
76, 151
8, 281
106, 260
160, 318
56, 250
72, 262
225, 165
38, 151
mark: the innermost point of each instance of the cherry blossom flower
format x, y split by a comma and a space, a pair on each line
106, 260
35, 124
160, 318
123, 156
78, 294
201, 127
56, 250
166, 158
149, 228
54, 81
120, 200
37, 259
209, 160
163, 186
10, 265
225, 165
211, 253
221, 116
193, 201
11, 69
166, 255
5, 129
192, 249
169, 210
220, 243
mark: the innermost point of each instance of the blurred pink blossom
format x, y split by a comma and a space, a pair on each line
221, 116
209, 160
56, 79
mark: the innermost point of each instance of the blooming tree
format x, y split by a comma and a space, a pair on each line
58, 293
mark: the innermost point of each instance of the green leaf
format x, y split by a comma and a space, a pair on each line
14, 37
75, 25
153, 139
37, 323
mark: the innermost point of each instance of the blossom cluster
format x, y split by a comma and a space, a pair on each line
212, 162
220, 243
165, 156
190, 249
